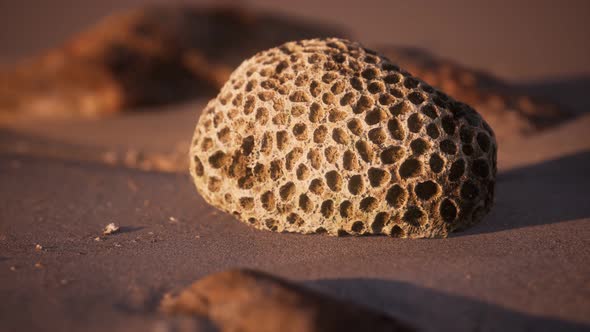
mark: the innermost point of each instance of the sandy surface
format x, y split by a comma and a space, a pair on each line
525, 267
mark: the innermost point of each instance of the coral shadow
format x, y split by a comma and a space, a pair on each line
571, 91
545, 193
432, 310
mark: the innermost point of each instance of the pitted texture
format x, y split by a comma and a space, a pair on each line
324, 136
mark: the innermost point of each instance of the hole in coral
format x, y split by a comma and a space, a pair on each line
357, 227
396, 196
369, 73
292, 157
294, 219
419, 146
336, 115
426, 190
199, 169
414, 216
379, 221
214, 184
410, 82
365, 151
305, 203
347, 99
392, 154
415, 122
218, 159
483, 141
430, 111
276, 169
447, 146
262, 115
396, 231
375, 87
298, 97
377, 135
448, 124
328, 98
410, 168
467, 149
436, 163
247, 145
316, 186
355, 126
315, 158
357, 83
282, 139
469, 191
340, 136
319, 134
349, 161
375, 116
399, 108
391, 79
346, 209
315, 88
448, 210
368, 204
302, 172
432, 131
224, 135
268, 201
247, 203
206, 144
266, 143
327, 208
271, 224
386, 99
287, 191
331, 154
355, 184
480, 168
377, 177
457, 170
416, 98
300, 131
364, 103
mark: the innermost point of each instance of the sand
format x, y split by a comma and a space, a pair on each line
525, 267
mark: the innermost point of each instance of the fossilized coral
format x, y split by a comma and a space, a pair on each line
326, 136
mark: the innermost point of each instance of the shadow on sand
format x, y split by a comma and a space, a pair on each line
549, 192
433, 310
571, 92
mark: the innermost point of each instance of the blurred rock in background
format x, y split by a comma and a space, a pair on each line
144, 57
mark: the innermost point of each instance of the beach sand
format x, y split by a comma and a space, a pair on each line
525, 267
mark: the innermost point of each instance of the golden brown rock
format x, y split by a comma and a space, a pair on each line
325, 136
143, 57
246, 300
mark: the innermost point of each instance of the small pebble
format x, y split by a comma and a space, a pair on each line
110, 229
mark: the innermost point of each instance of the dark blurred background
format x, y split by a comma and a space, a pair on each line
516, 40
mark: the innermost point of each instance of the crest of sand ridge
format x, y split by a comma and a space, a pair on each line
324, 136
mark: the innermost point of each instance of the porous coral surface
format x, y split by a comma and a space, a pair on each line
325, 136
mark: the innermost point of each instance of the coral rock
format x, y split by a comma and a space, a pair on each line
246, 300
324, 136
